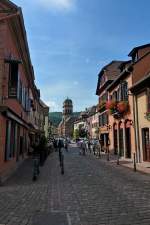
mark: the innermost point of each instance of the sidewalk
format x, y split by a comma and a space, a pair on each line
143, 167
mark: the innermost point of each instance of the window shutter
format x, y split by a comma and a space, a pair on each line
18, 87
8, 135
15, 139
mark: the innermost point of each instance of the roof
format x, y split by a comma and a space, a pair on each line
135, 49
123, 74
43, 104
68, 101
9, 4
111, 70
125, 63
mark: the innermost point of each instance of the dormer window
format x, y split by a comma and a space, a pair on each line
103, 80
135, 57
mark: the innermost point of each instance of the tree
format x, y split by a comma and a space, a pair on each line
76, 134
82, 132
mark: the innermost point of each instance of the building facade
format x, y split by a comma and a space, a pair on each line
106, 76
19, 97
126, 100
141, 100
120, 106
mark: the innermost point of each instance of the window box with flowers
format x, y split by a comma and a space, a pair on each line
123, 107
118, 109
111, 106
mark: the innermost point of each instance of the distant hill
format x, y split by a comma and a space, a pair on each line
56, 117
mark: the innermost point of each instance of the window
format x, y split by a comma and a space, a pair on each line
13, 80
104, 98
11, 139
135, 57
114, 96
124, 91
103, 119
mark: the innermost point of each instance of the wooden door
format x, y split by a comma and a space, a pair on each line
115, 142
146, 144
121, 148
128, 142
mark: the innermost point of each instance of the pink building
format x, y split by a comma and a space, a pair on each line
20, 108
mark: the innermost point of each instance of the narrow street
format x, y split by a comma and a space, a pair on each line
91, 192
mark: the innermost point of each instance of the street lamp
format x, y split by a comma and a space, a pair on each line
109, 127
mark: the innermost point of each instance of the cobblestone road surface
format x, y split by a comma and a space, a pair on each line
91, 192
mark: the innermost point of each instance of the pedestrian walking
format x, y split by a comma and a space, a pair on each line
66, 145
60, 145
94, 146
55, 145
89, 146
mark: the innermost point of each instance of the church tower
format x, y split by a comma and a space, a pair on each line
67, 108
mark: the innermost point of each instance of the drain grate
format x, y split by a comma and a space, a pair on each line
50, 219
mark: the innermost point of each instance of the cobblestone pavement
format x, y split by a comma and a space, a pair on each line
91, 192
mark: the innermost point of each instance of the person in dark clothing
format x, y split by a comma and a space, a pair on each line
60, 145
66, 145
55, 145
89, 146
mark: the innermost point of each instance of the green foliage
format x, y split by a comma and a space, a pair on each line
76, 134
82, 133
56, 117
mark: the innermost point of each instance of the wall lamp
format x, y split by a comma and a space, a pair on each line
109, 127
131, 122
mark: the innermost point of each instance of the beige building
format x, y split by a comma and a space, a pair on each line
141, 96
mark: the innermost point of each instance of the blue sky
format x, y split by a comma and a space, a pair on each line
71, 40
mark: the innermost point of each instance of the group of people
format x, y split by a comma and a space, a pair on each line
89, 145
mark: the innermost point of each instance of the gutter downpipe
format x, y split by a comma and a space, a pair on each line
136, 129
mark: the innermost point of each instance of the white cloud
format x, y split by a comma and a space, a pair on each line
57, 4
53, 105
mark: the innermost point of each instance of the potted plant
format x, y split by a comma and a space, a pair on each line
111, 106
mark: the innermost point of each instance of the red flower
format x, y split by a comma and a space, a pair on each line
110, 105
122, 107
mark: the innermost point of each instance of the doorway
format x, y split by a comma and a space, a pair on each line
146, 144
115, 139
121, 146
128, 139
